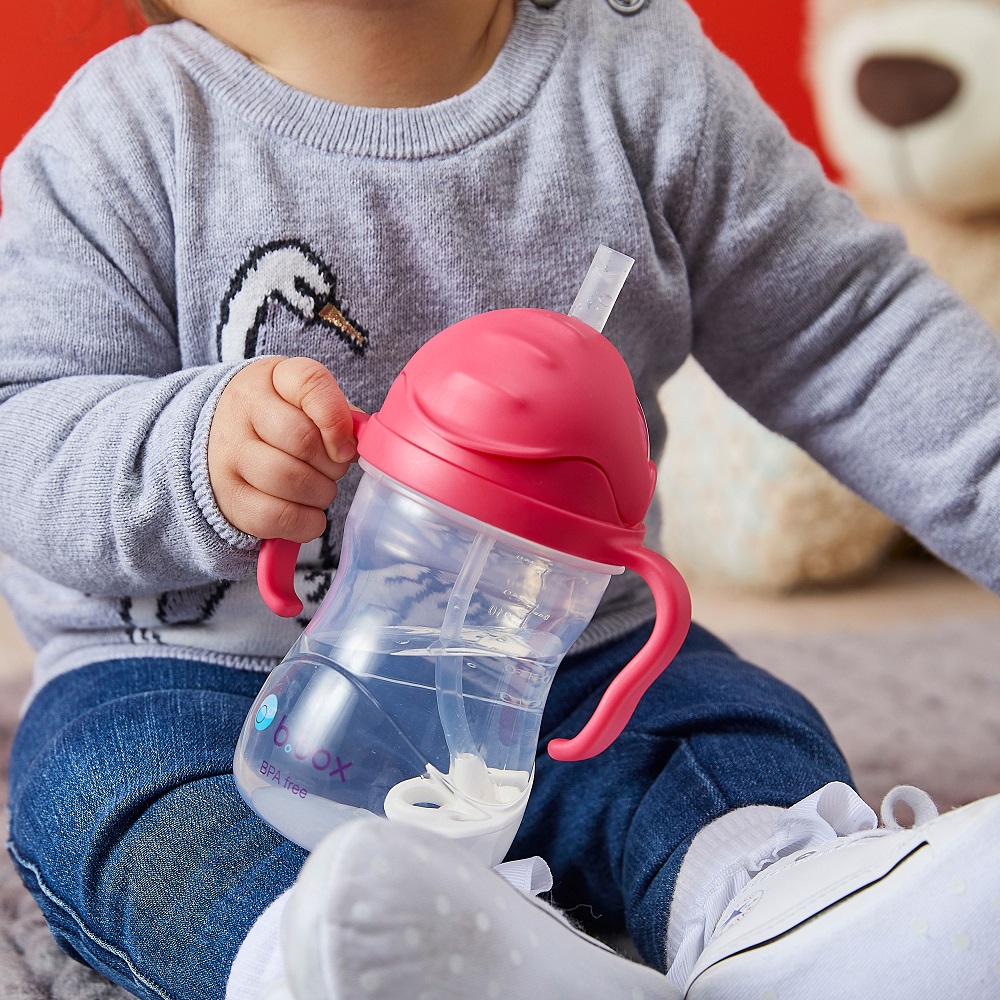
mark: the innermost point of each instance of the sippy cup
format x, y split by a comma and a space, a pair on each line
505, 481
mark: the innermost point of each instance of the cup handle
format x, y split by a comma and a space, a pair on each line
276, 576
673, 619
278, 556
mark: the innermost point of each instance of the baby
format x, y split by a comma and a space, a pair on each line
232, 229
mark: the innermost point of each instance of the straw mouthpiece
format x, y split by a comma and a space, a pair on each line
600, 289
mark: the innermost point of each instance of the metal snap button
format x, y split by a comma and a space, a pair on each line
627, 6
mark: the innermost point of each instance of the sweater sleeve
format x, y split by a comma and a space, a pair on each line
103, 426
822, 326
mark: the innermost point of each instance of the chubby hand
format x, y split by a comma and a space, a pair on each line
280, 439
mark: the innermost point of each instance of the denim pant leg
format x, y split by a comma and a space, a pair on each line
127, 827
713, 733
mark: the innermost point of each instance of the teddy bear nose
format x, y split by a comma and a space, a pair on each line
905, 90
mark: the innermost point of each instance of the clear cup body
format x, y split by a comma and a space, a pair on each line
416, 692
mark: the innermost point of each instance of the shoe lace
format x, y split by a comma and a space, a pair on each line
920, 804
836, 811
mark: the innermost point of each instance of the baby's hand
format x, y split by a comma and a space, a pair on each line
280, 439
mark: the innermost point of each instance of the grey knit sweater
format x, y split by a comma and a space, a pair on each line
178, 211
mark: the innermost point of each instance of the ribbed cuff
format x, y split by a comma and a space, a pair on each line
200, 481
718, 857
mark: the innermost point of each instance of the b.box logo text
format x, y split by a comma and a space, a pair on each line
302, 749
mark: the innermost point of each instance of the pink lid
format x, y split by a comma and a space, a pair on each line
528, 420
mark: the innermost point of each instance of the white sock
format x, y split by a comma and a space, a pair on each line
396, 913
731, 850
718, 856
259, 966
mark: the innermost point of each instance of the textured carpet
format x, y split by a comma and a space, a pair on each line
917, 705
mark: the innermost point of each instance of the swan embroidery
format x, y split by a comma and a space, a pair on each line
289, 272
145, 616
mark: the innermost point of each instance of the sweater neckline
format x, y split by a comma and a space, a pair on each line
501, 95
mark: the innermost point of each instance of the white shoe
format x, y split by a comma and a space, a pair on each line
887, 913
387, 911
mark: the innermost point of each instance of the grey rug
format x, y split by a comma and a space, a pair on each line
913, 705
917, 705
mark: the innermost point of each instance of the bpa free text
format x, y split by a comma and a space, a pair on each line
273, 773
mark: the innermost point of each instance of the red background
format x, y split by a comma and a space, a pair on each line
44, 41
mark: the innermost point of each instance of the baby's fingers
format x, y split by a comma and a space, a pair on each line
275, 495
311, 388
281, 425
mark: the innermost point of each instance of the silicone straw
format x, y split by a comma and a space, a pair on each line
448, 670
600, 289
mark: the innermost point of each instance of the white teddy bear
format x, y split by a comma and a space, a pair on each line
908, 99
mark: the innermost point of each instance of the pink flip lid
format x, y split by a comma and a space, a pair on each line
528, 420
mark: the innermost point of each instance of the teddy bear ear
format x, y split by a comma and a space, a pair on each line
822, 15
905, 96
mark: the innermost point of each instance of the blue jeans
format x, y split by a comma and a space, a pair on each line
127, 827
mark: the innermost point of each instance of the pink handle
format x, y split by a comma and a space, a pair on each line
673, 618
276, 576
276, 562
